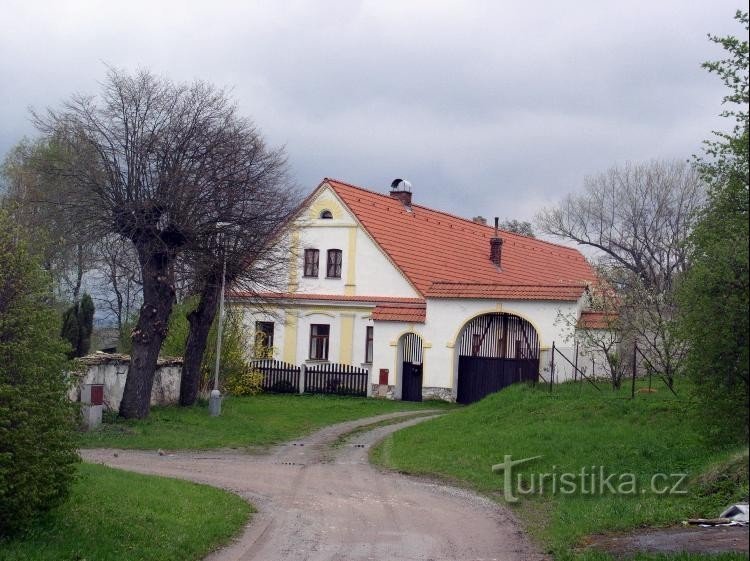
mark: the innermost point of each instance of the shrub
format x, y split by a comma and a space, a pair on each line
234, 364
37, 446
250, 382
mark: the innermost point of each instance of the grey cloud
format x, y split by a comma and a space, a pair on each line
488, 107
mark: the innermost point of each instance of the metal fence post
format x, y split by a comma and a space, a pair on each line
552, 367
632, 388
302, 372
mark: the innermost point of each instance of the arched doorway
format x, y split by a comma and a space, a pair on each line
494, 351
410, 362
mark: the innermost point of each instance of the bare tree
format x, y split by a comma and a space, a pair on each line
518, 226
119, 278
638, 217
599, 335
244, 252
162, 165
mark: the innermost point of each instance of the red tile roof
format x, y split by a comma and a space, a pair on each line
430, 247
596, 320
328, 297
504, 291
412, 313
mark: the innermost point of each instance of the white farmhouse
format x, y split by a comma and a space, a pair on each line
431, 304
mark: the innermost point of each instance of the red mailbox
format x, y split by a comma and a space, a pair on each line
383, 380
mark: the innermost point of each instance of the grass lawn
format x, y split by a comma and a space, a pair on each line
114, 515
572, 428
245, 421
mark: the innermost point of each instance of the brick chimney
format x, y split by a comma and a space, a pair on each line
480, 220
401, 190
496, 246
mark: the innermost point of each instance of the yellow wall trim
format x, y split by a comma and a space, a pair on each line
290, 337
347, 338
351, 262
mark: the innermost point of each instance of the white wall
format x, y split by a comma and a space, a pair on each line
447, 317
113, 374
373, 273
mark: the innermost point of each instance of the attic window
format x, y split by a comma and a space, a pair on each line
326, 215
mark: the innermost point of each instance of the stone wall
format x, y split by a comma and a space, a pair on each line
440, 394
111, 370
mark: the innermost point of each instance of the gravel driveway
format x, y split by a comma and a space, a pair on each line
319, 502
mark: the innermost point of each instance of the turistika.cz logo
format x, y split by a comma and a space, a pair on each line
589, 480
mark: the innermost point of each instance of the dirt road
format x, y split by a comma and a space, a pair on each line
323, 502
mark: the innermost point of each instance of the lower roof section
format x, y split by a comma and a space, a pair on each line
384, 308
561, 292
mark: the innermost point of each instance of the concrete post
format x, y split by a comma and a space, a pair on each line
302, 373
214, 403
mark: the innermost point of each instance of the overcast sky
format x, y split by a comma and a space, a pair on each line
492, 108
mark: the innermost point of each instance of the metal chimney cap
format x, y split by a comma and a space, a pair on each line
399, 184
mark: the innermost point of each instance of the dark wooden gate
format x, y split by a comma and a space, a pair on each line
411, 388
495, 351
411, 367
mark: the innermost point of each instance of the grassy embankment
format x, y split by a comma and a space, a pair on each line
572, 428
114, 515
244, 422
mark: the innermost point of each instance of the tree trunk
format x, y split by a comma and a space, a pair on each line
200, 321
149, 333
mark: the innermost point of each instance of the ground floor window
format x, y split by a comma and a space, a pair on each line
368, 344
319, 333
263, 337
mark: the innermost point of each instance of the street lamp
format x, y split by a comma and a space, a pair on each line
214, 401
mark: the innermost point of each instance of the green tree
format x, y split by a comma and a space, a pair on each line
78, 325
70, 329
714, 293
85, 324
37, 446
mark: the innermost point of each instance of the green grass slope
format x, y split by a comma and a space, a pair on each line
573, 428
245, 421
114, 515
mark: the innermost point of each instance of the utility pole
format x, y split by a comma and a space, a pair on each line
214, 402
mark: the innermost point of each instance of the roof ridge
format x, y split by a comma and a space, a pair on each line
508, 284
521, 237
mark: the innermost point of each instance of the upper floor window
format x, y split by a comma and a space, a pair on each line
333, 271
311, 262
326, 214
319, 333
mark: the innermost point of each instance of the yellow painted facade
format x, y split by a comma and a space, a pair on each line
347, 338
290, 337
351, 260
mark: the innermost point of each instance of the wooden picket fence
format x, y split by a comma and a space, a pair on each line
338, 379
278, 376
322, 378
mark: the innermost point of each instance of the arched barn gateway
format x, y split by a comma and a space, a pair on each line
423, 303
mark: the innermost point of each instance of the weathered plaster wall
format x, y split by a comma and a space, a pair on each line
112, 373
